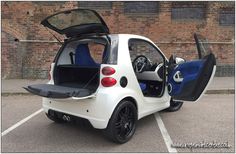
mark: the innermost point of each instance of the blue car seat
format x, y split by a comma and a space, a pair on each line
83, 57
143, 86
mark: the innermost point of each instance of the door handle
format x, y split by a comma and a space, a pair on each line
178, 77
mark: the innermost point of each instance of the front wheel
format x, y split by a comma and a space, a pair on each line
122, 124
174, 106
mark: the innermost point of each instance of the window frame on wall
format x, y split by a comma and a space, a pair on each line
223, 12
96, 5
188, 11
141, 7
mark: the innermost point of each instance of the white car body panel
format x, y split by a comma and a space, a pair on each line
98, 107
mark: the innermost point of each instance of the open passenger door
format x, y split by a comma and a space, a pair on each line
188, 81
76, 23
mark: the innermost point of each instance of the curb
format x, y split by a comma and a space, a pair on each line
221, 91
16, 93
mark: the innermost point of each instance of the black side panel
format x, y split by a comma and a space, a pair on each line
193, 90
198, 46
53, 91
86, 29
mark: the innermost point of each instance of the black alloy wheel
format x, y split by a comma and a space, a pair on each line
122, 124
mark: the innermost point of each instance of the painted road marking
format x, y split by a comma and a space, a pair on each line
21, 122
164, 133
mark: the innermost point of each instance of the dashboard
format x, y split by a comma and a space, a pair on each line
155, 73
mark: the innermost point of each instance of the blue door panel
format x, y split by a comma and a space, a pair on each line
189, 71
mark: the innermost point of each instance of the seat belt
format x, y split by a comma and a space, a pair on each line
71, 57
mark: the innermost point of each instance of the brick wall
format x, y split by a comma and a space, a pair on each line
27, 50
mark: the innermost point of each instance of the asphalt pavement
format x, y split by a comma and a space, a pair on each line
209, 120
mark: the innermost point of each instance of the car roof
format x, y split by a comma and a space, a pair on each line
129, 36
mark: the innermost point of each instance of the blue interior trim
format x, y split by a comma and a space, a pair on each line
143, 86
189, 70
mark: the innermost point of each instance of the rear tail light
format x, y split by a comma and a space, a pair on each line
108, 70
108, 81
49, 74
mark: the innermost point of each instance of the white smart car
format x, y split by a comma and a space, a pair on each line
113, 80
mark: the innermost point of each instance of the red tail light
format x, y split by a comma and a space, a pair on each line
49, 74
108, 82
108, 70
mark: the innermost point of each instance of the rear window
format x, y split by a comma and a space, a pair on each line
71, 18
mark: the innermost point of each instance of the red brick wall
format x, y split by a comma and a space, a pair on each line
11, 64
21, 21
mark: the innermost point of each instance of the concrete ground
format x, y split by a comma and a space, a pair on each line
209, 120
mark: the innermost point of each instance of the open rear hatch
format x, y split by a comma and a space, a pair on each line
72, 81
57, 91
76, 22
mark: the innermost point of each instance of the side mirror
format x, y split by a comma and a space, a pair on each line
173, 61
179, 60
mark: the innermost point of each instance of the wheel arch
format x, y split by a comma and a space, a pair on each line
131, 99
125, 98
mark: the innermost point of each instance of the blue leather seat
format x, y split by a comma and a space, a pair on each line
83, 57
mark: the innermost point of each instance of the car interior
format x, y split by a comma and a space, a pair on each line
148, 66
78, 64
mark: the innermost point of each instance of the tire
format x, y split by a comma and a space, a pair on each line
54, 117
174, 106
122, 124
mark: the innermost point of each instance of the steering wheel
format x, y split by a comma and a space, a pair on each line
159, 70
141, 63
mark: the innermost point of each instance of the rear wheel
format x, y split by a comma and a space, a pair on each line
122, 124
174, 106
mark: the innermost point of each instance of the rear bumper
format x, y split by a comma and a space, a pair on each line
87, 109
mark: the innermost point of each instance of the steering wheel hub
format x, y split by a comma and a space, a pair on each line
141, 63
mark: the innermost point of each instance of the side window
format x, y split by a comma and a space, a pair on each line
96, 51
140, 47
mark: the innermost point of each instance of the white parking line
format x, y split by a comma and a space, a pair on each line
21, 122
164, 133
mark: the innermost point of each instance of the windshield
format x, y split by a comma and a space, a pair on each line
203, 46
